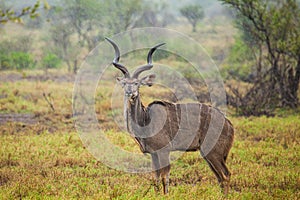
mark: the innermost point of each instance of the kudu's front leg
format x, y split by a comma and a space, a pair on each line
156, 170
161, 166
165, 172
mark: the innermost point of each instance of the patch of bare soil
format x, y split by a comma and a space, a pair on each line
36, 123
13, 77
21, 118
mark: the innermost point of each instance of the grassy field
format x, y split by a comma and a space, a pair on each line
42, 156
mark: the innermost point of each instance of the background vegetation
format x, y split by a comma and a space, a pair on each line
41, 155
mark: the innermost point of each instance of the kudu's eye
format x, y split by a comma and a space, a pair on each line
136, 83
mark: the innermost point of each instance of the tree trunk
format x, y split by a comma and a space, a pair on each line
69, 65
194, 27
293, 86
75, 66
290, 86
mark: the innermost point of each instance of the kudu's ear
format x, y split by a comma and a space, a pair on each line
120, 80
148, 80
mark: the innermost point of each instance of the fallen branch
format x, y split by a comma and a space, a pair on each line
48, 101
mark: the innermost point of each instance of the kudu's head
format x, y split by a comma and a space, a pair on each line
129, 83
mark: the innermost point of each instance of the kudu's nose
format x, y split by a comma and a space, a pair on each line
129, 94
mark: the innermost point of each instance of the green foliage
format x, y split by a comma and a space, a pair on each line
22, 60
156, 14
79, 25
122, 14
16, 60
15, 53
272, 30
84, 17
193, 13
240, 52
36, 23
47, 160
8, 14
50, 61
62, 45
239, 63
5, 61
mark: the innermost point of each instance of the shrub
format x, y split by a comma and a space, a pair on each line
21, 60
50, 61
5, 60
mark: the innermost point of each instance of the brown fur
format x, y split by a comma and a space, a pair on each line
163, 127
184, 129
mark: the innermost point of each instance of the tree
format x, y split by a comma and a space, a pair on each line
8, 14
77, 27
63, 47
91, 19
272, 30
122, 15
193, 13
85, 17
155, 14
74, 30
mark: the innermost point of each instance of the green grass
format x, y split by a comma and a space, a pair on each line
57, 166
47, 160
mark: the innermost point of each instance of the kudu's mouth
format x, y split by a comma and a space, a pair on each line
131, 96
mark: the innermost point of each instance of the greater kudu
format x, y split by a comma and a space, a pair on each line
163, 127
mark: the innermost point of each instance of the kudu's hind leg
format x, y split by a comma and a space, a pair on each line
227, 175
220, 170
165, 172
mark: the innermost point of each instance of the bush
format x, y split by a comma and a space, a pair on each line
16, 60
22, 60
5, 60
15, 53
50, 61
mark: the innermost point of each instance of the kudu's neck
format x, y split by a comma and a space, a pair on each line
135, 113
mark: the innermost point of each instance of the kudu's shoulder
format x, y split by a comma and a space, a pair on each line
161, 103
